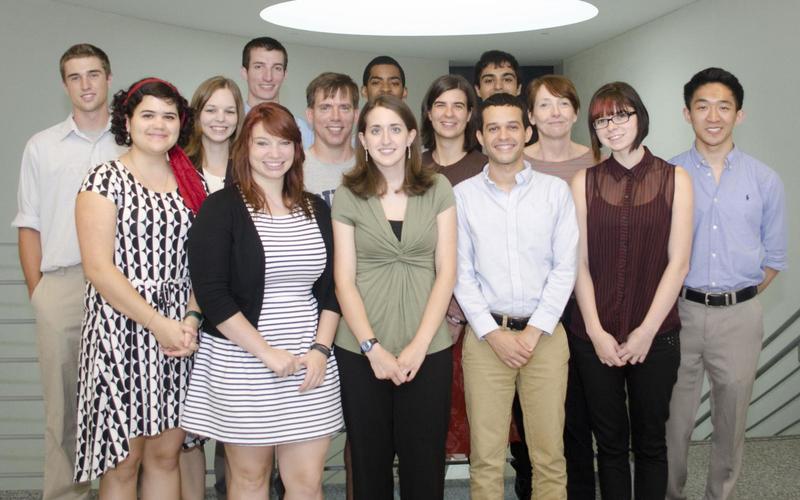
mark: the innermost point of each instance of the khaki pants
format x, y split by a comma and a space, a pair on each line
725, 343
58, 301
489, 387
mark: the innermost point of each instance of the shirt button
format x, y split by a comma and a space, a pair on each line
714, 226
715, 200
708, 174
714, 255
713, 283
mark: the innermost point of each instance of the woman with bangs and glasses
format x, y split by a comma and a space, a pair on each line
635, 218
265, 381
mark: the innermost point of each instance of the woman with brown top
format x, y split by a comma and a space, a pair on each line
635, 218
553, 106
449, 113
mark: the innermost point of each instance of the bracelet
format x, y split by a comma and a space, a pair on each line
196, 315
147, 323
321, 348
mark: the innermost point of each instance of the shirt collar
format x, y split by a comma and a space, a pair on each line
731, 159
69, 126
523, 176
637, 171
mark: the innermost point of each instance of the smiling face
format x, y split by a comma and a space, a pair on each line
386, 138
552, 115
504, 134
619, 137
218, 117
713, 115
86, 83
332, 117
154, 126
270, 156
384, 79
497, 79
264, 75
449, 114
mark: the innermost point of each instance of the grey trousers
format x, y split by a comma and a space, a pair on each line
58, 301
725, 343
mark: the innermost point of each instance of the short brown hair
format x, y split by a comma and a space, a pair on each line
559, 86
330, 83
84, 50
365, 180
612, 98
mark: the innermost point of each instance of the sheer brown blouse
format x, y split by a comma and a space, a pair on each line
629, 212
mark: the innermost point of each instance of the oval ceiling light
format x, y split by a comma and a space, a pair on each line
427, 17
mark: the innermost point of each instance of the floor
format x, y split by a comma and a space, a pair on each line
771, 472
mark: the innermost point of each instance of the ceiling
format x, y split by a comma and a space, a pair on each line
241, 18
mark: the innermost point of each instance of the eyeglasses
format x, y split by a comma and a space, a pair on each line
618, 118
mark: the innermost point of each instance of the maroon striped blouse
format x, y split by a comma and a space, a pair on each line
629, 212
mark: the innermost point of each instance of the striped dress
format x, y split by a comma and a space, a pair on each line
233, 397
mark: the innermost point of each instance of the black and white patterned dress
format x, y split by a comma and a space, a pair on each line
233, 397
126, 387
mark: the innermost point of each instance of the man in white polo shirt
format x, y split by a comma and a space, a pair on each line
54, 164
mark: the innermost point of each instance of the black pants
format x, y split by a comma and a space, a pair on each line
647, 387
578, 446
384, 420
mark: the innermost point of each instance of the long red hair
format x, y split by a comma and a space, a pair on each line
278, 121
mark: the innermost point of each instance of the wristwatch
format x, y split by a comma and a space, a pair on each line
367, 345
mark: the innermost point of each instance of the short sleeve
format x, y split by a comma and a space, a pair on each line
28, 193
104, 179
443, 194
343, 206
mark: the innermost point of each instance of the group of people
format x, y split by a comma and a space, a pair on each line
223, 269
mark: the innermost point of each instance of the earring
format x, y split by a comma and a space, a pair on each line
366, 155
409, 151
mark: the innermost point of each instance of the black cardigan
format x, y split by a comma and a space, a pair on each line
226, 260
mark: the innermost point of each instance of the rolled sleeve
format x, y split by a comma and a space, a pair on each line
27, 192
773, 227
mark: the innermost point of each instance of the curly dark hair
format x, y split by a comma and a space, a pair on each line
125, 103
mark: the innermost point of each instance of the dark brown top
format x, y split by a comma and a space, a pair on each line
469, 166
629, 212
563, 169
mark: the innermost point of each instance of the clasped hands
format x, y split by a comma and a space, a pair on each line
633, 351
176, 339
284, 363
400, 369
514, 349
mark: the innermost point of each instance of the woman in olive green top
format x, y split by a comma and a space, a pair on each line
394, 229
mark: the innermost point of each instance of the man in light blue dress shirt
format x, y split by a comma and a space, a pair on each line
740, 240
517, 247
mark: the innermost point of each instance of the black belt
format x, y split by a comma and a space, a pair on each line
509, 322
719, 299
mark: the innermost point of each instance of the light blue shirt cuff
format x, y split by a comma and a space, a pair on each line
483, 325
544, 322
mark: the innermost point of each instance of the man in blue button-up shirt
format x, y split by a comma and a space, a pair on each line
739, 247
517, 246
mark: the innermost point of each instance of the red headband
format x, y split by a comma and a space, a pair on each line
190, 186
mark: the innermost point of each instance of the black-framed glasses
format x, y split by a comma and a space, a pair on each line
618, 118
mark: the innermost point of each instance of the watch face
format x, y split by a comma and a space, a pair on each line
366, 346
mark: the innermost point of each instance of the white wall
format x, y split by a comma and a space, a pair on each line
34, 34
756, 41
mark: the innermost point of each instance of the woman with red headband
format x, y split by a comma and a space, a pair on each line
139, 330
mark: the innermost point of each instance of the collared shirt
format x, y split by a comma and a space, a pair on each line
517, 250
306, 132
54, 164
739, 224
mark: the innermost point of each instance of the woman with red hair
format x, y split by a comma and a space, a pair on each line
265, 381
